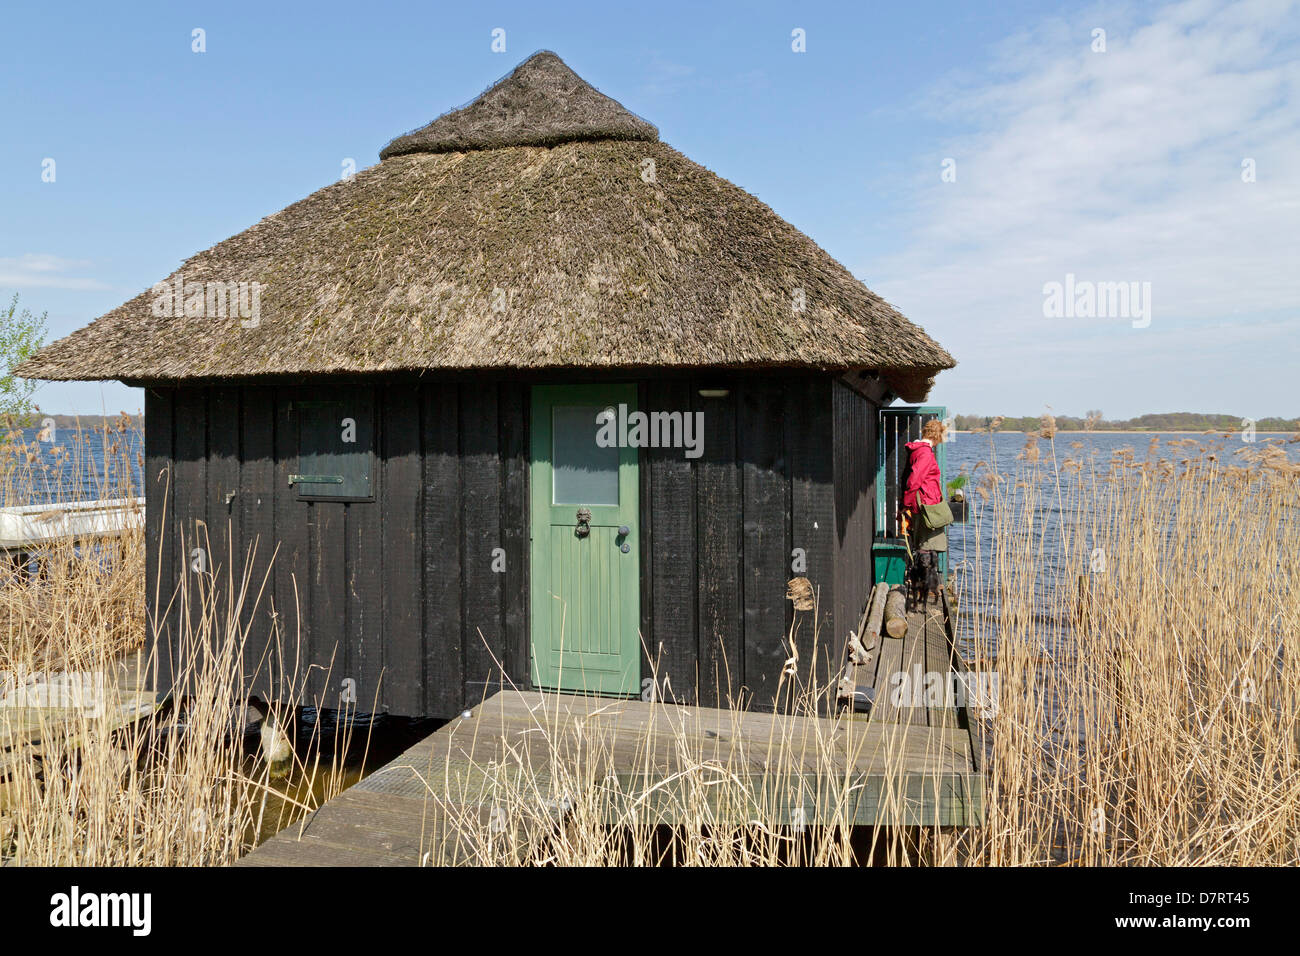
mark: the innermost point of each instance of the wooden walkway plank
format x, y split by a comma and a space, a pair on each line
911, 763
104, 702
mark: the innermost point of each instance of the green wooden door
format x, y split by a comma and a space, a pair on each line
585, 574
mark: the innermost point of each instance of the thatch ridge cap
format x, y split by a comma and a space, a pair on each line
541, 102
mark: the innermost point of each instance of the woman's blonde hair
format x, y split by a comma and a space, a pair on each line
933, 430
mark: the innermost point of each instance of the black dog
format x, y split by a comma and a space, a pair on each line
923, 579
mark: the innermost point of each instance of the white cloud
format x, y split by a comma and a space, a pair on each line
44, 271
665, 77
1115, 166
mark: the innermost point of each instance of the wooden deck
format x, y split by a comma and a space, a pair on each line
37, 715
26, 527
632, 760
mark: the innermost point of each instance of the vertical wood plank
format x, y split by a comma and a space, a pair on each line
256, 503
191, 518
222, 514
160, 518
514, 410
400, 431
672, 605
327, 610
674, 641
855, 503
808, 436
325, 615
292, 577
720, 510
482, 639
366, 662
444, 692
765, 548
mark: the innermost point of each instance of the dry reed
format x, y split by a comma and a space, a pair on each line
1142, 616
1144, 624
80, 783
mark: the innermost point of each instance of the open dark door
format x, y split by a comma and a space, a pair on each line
898, 426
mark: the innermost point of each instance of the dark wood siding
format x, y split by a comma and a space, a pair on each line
855, 502
400, 502
765, 491
417, 601
392, 604
444, 661
670, 616
480, 497
809, 441
192, 544
256, 504
160, 557
723, 529
719, 581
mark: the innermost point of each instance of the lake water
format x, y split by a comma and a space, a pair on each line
69, 465
973, 543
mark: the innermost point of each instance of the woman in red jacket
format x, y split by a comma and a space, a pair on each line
924, 488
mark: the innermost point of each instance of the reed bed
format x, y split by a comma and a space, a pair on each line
1141, 616
1146, 637
99, 594
1140, 620
184, 785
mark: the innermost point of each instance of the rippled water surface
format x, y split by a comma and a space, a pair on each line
972, 545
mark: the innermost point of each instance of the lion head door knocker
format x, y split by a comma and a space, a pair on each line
584, 523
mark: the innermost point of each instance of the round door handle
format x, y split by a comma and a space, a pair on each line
624, 530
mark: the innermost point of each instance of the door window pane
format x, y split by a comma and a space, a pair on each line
584, 473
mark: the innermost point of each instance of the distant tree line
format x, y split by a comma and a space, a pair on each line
1094, 421
86, 422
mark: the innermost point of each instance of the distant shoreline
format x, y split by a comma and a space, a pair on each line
72, 421
1117, 431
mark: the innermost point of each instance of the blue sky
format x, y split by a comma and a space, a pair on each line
1115, 166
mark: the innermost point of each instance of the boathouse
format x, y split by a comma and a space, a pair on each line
535, 399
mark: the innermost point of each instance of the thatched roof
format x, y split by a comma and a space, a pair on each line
602, 249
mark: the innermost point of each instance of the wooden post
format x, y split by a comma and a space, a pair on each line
896, 613
18, 562
875, 616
